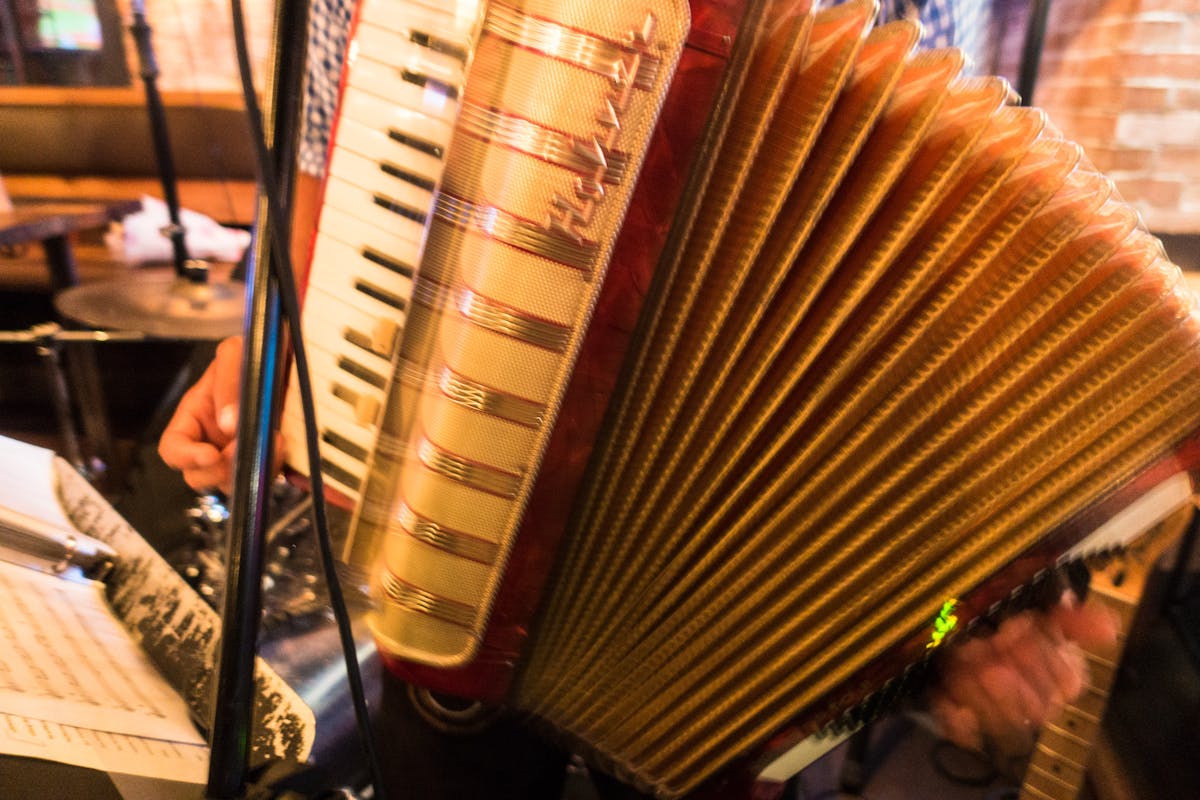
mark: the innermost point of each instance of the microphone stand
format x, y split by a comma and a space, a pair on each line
1031, 50
252, 476
185, 267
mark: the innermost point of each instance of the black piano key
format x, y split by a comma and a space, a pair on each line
387, 262
417, 143
382, 295
340, 474
362, 373
438, 45
355, 451
365, 342
426, 82
345, 394
420, 181
396, 207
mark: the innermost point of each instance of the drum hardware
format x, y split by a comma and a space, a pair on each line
154, 303
294, 595
48, 339
166, 310
158, 303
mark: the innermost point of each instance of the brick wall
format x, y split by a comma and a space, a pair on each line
1122, 77
193, 43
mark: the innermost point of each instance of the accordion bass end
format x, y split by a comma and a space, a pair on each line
714, 360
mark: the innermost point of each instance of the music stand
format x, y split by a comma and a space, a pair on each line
262, 354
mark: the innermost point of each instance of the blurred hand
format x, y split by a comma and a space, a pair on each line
200, 439
996, 691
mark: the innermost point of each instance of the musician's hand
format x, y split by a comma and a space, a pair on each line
199, 440
996, 691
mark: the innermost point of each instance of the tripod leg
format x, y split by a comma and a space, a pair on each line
61, 400
84, 371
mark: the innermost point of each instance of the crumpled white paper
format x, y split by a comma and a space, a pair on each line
139, 238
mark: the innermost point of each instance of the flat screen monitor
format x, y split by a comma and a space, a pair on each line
68, 25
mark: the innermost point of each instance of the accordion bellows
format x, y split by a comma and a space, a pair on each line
909, 333
914, 332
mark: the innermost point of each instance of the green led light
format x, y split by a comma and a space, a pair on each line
946, 621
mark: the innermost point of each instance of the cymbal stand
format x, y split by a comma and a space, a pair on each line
193, 270
48, 339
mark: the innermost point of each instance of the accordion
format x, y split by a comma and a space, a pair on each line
689, 371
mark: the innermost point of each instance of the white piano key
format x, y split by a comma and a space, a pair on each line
396, 45
360, 283
326, 322
433, 94
347, 438
377, 145
336, 321
332, 393
346, 434
360, 203
328, 369
358, 235
408, 127
292, 431
403, 16
341, 405
329, 417
292, 427
383, 177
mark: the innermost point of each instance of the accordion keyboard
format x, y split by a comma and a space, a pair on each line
398, 106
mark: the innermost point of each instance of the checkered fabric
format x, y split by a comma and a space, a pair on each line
947, 23
328, 26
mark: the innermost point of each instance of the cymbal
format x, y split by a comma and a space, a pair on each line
158, 303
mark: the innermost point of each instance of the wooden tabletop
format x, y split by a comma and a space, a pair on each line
34, 220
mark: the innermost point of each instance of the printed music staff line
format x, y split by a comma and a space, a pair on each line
75, 687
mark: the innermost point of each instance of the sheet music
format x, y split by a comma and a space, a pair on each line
177, 630
27, 482
168, 621
166, 625
64, 657
75, 687
101, 750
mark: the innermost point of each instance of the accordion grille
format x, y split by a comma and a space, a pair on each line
912, 333
559, 103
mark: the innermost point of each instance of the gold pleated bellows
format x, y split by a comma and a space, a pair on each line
913, 331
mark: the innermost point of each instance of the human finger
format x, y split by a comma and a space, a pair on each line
182, 451
208, 479
226, 383
1014, 710
960, 680
1035, 659
220, 474
1089, 623
1068, 666
215, 476
957, 723
192, 424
